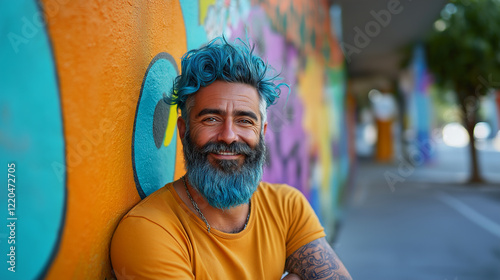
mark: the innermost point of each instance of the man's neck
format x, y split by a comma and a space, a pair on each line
231, 220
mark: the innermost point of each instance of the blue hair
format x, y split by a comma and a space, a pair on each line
222, 61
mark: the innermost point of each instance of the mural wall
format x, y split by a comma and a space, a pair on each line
84, 134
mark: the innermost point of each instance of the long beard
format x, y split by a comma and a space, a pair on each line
224, 183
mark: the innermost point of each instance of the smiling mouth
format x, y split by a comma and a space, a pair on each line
226, 153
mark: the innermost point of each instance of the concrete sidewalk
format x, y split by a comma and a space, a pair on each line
419, 229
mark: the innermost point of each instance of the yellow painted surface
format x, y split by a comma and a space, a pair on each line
172, 123
316, 116
204, 5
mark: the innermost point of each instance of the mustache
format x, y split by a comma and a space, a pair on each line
235, 147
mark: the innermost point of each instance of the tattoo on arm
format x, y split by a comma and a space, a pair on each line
316, 260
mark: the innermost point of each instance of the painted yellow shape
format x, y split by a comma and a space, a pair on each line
316, 117
172, 121
204, 4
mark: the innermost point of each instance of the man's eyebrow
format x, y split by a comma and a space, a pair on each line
246, 114
209, 111
240, 113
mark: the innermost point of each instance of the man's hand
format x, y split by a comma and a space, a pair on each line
316, 260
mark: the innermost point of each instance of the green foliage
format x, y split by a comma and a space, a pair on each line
464, 48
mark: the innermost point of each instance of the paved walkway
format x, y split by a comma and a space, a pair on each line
421, 227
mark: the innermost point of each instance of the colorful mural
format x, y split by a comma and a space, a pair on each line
90, 136
307, 25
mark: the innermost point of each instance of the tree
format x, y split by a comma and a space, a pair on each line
464, 54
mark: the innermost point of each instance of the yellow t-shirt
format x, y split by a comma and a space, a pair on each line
160, 238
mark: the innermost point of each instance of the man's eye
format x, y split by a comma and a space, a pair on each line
245, 121
210, 119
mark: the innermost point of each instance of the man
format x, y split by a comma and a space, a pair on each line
219, 221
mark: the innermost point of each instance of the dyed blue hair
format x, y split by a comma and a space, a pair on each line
222, 61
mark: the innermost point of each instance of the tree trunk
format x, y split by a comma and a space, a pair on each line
470, 107
475, 175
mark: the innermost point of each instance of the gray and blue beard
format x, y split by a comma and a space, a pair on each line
224, 183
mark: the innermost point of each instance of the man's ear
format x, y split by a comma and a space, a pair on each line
181, 125
265, 128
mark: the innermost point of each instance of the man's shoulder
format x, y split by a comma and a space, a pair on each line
157, 203
279, 194
277, 189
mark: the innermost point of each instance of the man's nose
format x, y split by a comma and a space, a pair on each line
227, 133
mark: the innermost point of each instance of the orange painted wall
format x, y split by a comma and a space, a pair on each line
102, 49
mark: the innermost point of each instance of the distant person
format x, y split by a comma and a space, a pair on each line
219, 221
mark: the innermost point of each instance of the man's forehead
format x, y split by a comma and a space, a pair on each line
227, 96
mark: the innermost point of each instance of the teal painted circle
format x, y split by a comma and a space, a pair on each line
153, 162
32, 138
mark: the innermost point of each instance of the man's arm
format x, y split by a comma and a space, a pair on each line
316, 260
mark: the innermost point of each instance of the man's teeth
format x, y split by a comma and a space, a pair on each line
226, 153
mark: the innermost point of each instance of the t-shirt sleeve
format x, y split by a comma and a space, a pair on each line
142, 249
304, 225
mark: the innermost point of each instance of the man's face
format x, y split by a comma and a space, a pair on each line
224, 146
226, 112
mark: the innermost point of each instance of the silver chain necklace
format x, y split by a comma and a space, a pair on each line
195, 205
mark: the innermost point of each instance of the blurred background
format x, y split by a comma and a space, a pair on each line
391, 128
